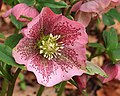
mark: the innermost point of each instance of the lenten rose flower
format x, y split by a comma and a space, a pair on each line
22, 10
53, 48
113, 72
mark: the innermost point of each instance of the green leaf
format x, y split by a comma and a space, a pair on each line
28, 2
114, 54
115, 14
18, 24
2, 36
22, 81
110, 39
93, 69
6, 56
96, 45
107, 19
13, 40
53, 4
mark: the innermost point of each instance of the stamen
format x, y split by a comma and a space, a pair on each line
49, 47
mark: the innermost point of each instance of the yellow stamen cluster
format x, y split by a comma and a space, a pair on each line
49, 47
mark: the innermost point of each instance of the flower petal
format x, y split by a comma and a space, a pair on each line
49, 73
69, 31
95, 6
40, 24
83, 18
24, 50
111, 71
22, 9
118, 73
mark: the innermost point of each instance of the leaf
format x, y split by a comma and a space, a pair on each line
107, 19
96, 45
110, 39
6, 56
28, 2
13, 40
93, 69
2, 36
53, 4
115, 14
17, 24
114, 54
22, 81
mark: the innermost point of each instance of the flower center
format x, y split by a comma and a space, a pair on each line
49, 47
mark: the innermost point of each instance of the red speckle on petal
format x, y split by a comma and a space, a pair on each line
67, 31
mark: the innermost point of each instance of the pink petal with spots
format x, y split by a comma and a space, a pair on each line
111, 71
49, 73
118, 73
83, 17
40, 24
95, 6
69, 30
22, 9
24, 50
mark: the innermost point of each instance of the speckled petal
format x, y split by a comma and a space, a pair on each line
24, 50
69, 31
49, 73
41, 24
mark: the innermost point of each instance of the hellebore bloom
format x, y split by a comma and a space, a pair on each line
90, 8
53, 48
113, 72
22, 10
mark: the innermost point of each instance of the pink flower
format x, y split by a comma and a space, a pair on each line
24, 10
113, 72
53, 48
87, 10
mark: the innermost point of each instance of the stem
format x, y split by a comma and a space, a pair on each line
5, 74
40, 91
11, 86
61, 88
4, 87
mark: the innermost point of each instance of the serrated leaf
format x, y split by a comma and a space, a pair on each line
110, 39
28, 2
13, 40
17, 24
107, 19
93, 69
6, 56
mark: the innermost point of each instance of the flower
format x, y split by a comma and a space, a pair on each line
53, 48
91, 8
22, 10
113, 72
